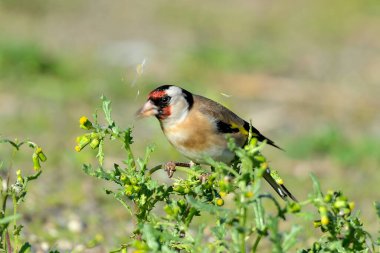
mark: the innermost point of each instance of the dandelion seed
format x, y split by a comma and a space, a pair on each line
225, 95
140, 68
139, 71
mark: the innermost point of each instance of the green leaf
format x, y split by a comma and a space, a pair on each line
119, 197
275, 235
316, 186
207, 207
26, 247
8, 219
106, 105
259, 214
377, 206
290, 239
15, 145
100, 154
151, 237
98, 173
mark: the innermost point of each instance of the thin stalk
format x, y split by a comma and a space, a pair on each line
243, 221
14, 221
178, 167
257, 241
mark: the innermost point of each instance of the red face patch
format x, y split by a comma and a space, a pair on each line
157, 94
164, 112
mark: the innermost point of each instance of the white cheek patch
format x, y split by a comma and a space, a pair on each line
174, 91
179, 109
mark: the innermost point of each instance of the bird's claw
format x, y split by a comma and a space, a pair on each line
203, 177
170, 168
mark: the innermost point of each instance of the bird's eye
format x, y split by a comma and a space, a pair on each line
165, 99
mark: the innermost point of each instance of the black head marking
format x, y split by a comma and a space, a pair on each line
189, 98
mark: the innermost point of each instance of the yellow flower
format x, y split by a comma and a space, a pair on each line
85, 123
249, 194
351, 205
41, 154
325, 220
83, 120
219, 201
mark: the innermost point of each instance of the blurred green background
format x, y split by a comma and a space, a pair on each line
307, 73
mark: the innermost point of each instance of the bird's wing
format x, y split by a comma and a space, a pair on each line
228, 122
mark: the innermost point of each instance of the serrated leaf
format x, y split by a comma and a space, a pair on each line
98, 173
151, 237
275, 235
258, 210
100, 154
15, 145
377, 206
290, 239
118, 197
106, 105
316, 186
207, 207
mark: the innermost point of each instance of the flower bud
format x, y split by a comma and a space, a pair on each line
82, 142
248, 194
19, 176
253, 141
123, 178
323, 210
317, 223
340, 204
84, 123
128, 190
294, 207
94, 143
351, 205
345, 211
36, 162
222, 194
133, 180
325, 220
260, 158
41, 154
264, 165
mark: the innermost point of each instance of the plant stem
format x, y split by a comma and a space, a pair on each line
154, 169
178, 167
243, 220
254, 248
14, 221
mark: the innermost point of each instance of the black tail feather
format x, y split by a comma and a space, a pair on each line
279, 188
256, 133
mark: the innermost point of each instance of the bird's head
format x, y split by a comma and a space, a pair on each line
167, 102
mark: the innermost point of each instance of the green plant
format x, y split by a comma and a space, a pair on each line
16, 191
164, 215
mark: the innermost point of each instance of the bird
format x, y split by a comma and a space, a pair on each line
198, 127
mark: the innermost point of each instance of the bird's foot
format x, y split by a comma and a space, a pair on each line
169, 167
203, 177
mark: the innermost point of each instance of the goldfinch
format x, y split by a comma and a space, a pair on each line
197, 127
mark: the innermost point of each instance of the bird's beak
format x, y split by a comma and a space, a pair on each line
148, 109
